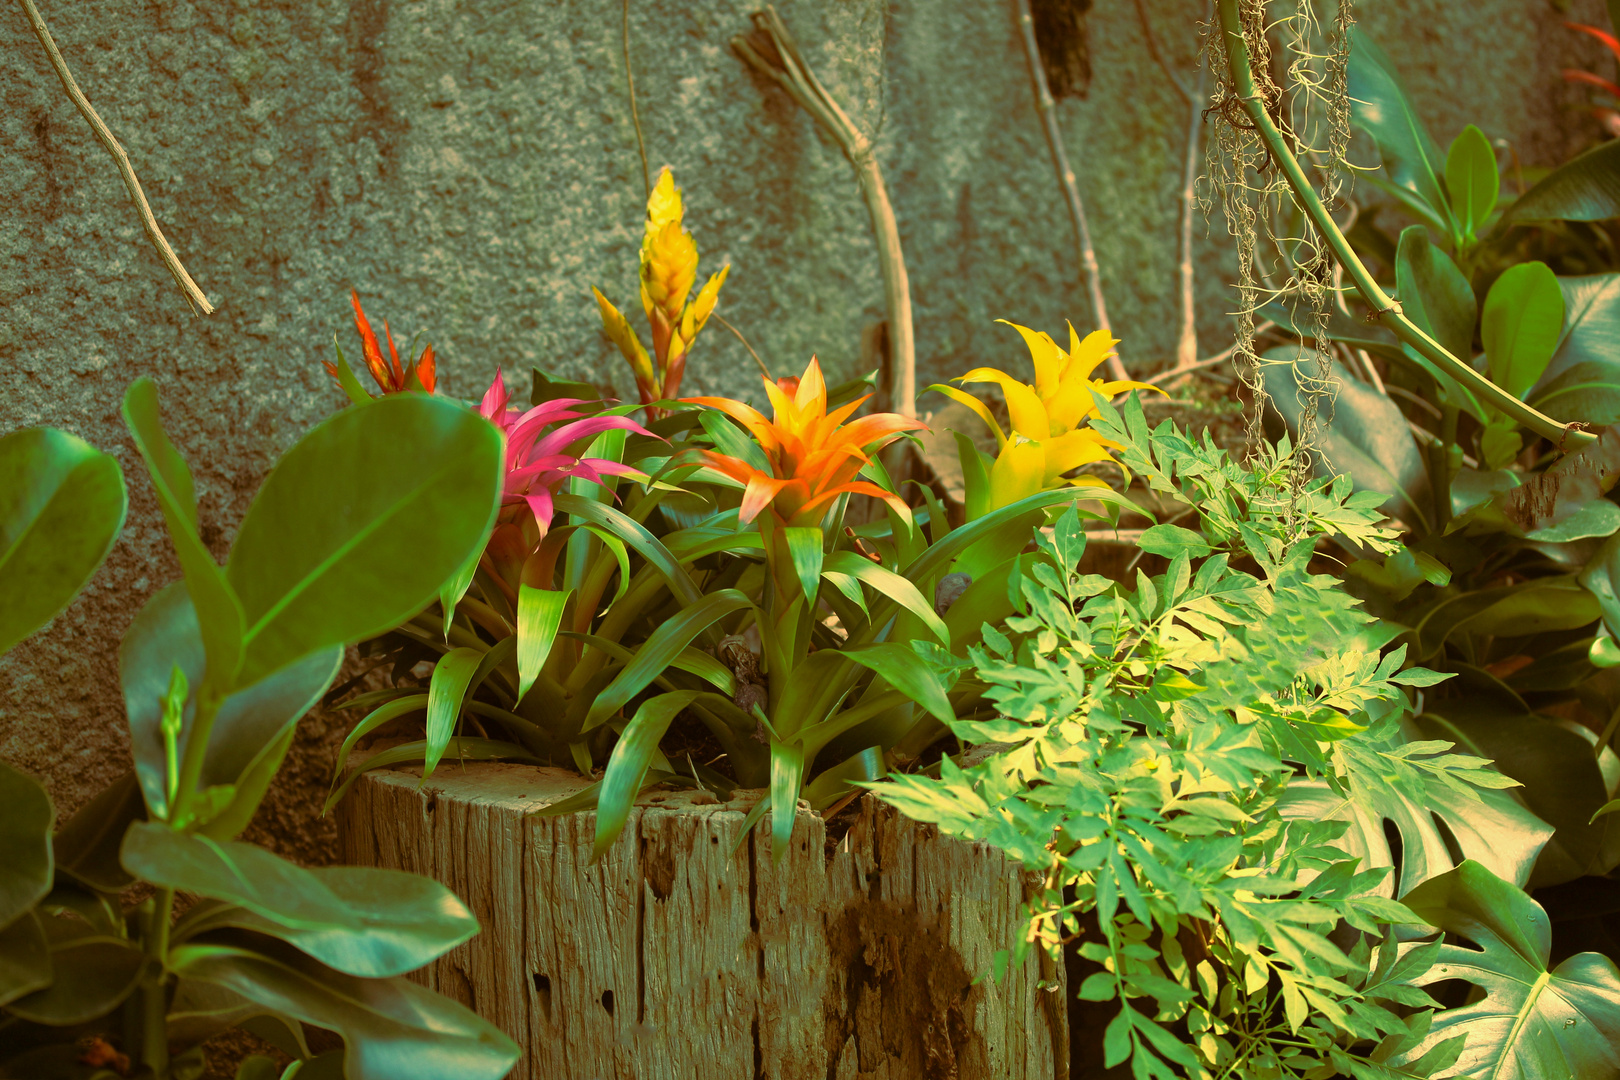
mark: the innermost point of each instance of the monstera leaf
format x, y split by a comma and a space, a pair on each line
1488, 826
1532, 1023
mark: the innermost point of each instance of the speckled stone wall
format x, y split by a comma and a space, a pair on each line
471, 168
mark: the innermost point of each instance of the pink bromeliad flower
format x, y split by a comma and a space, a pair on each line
540, 448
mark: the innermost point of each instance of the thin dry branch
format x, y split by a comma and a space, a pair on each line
771, 50
1192, 97
194, 295
635, 114
1071, 187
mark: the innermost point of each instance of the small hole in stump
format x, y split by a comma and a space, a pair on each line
542, 987
607, 1001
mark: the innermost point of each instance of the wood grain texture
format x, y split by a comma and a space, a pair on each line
686, 955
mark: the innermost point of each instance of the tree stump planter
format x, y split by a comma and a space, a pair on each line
683, 954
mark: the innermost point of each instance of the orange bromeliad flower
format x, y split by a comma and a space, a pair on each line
813, 455
393, 377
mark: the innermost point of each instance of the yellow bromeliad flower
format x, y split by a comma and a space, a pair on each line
1049, 419
669, 259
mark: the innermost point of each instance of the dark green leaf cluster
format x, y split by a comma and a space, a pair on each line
216, 671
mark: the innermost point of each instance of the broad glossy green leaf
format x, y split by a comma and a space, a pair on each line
1380, 107
1532, 1023
1489, 826
61, 507
461, 748
1582, 382
360, 920
392, 1029
660, 649
361, 523
86, 848
451, 677
1520, 325
1471, 180
1563, 781
200, 1010
627, 767
1601, 577
899, 665
25, 958
787, 776
1361, 433
539, 614
1584, 189
219, 610
26, 816
254, 719
890, 584
91, 975
1435, 295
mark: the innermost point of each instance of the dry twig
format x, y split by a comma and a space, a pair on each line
194, 295
771, 50
1071, 188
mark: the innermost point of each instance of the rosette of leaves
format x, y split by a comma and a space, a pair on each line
217, 670
1156, 732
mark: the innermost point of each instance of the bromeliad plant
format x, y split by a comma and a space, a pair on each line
340, 543
1200, 767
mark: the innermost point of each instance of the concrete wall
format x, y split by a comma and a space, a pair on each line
471, 168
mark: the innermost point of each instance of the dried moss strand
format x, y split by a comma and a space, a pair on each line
194, 295
1247, 92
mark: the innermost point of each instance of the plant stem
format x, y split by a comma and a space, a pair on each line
635, 114
1187, 336
1071, 187
763, 370
194, 296
1383, 306
787, 66
154, 1004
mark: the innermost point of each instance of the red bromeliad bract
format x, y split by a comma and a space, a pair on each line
392, 377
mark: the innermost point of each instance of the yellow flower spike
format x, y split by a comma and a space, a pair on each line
668, 271
622, 334
1050, 361
664, 204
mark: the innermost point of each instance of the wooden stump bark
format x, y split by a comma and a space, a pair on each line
686, 955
